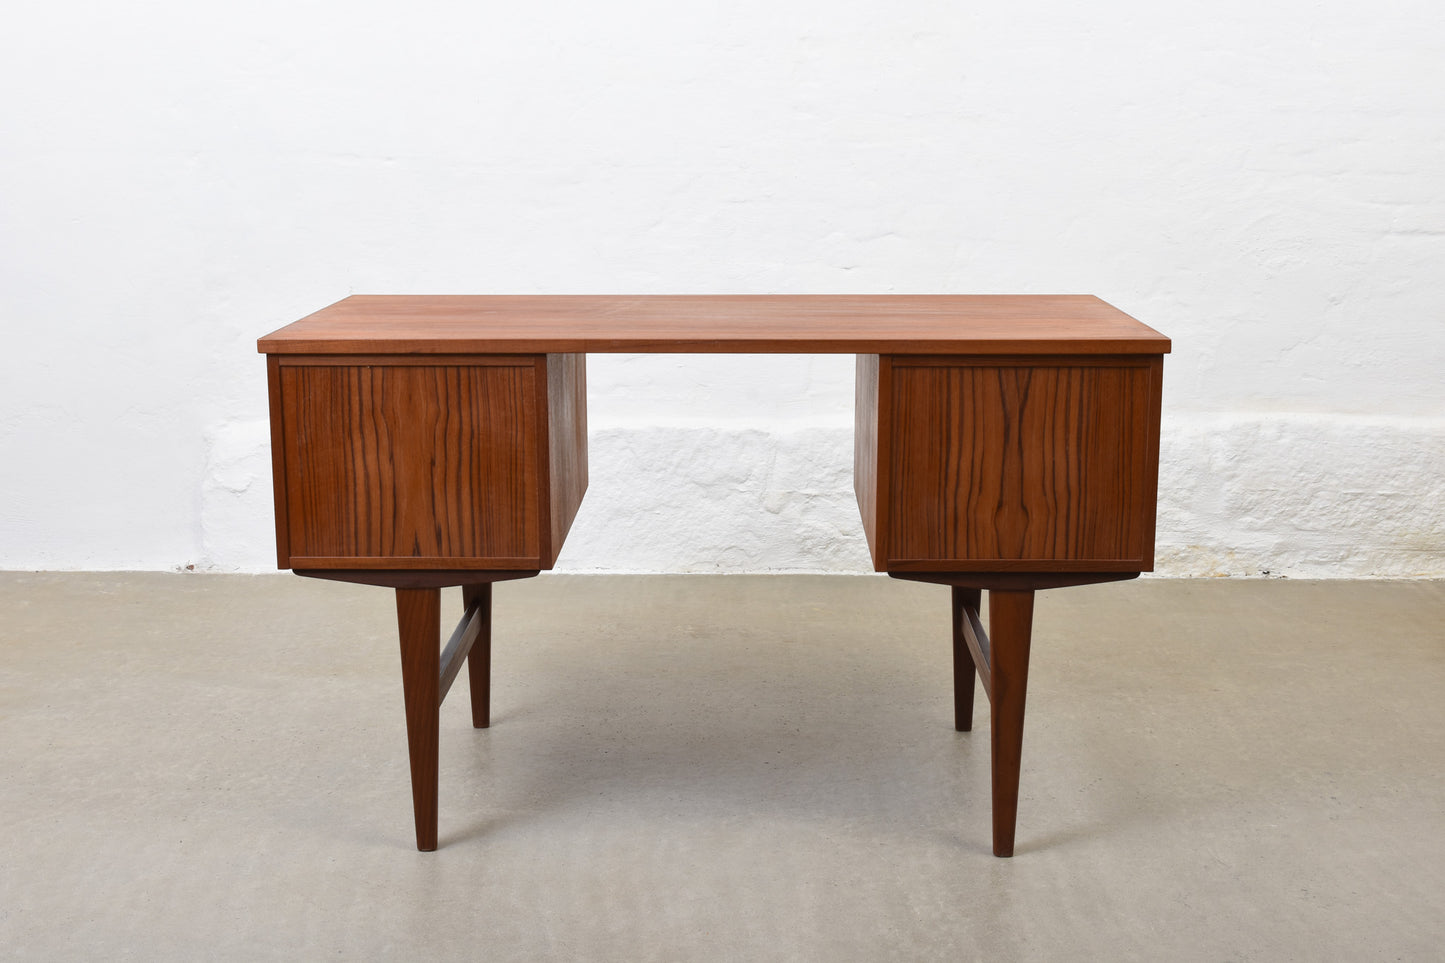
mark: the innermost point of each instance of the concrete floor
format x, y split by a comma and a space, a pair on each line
731, 768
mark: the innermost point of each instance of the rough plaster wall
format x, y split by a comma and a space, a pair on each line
1262, 182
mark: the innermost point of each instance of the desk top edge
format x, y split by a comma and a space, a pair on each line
743, 324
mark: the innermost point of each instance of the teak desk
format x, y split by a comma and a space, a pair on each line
1003, 443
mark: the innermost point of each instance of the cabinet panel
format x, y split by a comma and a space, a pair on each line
1020, 466
411, 465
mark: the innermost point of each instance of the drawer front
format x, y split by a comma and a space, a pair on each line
408, 465
1022, 465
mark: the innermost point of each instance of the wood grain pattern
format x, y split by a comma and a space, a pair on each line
813, 324
1012, 465
430, 467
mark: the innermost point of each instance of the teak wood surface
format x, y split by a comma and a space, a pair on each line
744, 324
475, 462
989, 464
1003, 443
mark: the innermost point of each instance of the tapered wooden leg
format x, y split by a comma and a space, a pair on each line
479, 661
1010, 626
964, 669
418, 616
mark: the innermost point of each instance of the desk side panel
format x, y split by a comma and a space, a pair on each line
866, 447
566, 444
411, 465
278, 460
1151, 457
1036, 465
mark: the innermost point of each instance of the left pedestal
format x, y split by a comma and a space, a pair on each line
418, 472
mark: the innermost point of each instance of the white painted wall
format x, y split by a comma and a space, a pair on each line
1264, 182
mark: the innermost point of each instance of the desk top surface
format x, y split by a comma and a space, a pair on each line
742, 324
